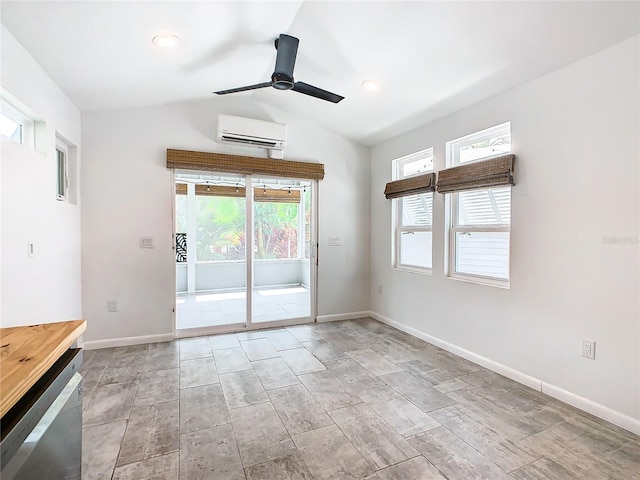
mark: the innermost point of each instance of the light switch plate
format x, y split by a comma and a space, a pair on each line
334, 241
146, 242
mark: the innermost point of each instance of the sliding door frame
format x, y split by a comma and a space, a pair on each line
249, 259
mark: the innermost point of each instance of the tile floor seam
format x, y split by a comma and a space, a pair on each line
402, 461
418, 407
349, 440
478, 451
280, 417
146, 458
434, 466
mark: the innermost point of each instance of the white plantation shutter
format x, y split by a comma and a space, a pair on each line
417, 209
485, 207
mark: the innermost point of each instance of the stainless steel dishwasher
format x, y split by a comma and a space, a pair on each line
42, 433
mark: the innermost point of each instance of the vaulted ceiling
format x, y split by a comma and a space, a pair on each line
430, 58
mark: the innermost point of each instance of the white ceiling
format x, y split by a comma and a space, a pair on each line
430, 58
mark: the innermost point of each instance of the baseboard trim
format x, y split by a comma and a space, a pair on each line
342, 316
121, 342
589, 406
461, 352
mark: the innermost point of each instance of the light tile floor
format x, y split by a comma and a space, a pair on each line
353, 399
207, 309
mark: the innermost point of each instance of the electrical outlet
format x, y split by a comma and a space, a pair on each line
379, 289
112, 306
588, 349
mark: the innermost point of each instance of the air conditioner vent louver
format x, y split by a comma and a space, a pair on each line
248, 141
250, 132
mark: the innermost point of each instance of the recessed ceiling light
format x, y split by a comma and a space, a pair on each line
370, 86
166, 41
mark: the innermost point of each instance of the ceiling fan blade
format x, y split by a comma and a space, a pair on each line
244, 89
286, 57
307, 89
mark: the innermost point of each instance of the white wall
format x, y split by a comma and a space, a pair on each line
127, 193
575, 133
45, 288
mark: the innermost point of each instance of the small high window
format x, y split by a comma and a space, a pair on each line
16, 125
62, 177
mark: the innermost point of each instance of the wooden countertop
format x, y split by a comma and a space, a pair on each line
26, 353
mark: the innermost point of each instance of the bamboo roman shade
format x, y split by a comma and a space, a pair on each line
279, 196
411, 186
219, 191
259, 194
224, 163
495, 172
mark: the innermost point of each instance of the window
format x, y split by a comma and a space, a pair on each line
10, 128
62, 178
65, 158
480, 220
16, 125
413, 216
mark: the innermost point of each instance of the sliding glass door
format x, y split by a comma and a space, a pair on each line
211, 253
281, 259
244, 256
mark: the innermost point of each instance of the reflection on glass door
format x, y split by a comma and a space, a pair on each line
281, 253
211, 259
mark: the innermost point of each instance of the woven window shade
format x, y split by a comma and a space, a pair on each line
411, 186
279, 196
224, 163
495, 172
259, 194
220, 191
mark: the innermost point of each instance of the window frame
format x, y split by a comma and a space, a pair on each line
453, 149
62, 149
398, 228
27, 124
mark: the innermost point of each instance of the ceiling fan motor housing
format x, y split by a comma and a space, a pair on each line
282, 81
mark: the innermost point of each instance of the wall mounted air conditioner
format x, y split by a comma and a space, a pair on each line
253, 133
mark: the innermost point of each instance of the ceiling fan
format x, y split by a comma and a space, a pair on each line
282, 77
